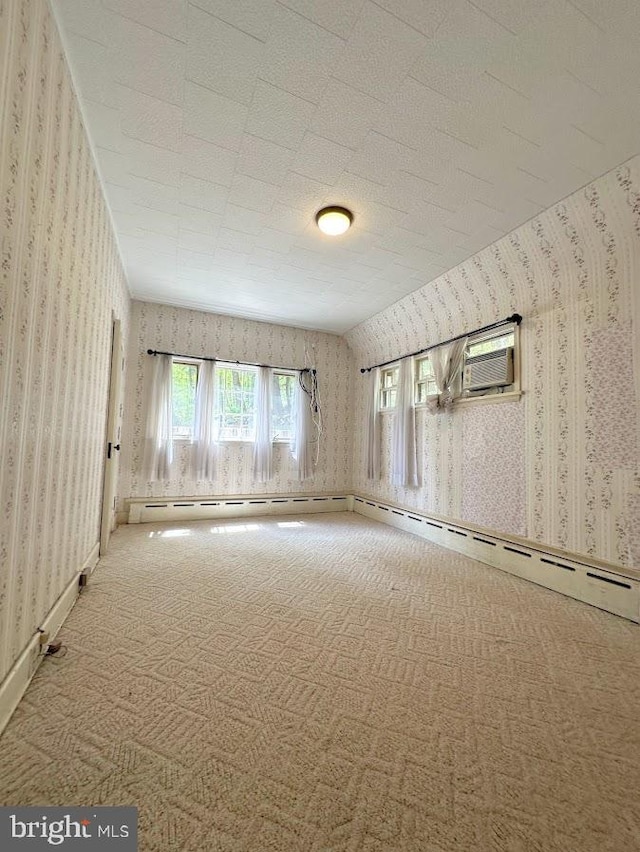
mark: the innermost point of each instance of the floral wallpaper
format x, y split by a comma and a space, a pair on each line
197, 333
562, 465
61, 283
492, 488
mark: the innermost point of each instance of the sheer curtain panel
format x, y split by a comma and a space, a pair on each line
262, 450
205, 427
404, 463
372, 425
447, 363
304, 435
158, 451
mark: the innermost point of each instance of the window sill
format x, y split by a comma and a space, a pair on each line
510, 396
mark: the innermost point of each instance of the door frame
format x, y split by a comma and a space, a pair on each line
113, 438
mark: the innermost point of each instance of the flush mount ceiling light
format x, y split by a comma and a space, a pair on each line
334, 220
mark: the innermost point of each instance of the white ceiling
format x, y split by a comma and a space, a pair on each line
222, 126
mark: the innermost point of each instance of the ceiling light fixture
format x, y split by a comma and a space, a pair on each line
334, 220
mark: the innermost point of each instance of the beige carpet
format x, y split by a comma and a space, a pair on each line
327, 683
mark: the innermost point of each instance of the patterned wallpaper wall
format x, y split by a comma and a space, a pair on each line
562, 465
61, 281
197, 333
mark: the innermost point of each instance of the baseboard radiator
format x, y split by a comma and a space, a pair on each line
605, 586
146, 510
613, 589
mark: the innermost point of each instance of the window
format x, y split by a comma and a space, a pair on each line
483, 346
236, 403
184, 379
388, 387
425, 380
282, 406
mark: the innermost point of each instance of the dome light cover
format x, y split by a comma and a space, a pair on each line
334, 220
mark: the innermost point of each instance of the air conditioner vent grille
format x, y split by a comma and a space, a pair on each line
494, 369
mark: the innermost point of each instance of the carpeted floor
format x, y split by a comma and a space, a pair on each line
328, 683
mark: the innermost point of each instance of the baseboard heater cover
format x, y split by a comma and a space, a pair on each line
145, 510
618, 593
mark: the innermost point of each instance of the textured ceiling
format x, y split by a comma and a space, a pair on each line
222, 126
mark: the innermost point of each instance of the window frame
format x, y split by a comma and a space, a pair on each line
191, 362
274, 437
426, 381
392, 370
245, 368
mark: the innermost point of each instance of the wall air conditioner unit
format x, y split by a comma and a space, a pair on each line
492, 370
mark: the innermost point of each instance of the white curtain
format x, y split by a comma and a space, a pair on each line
447, 364
205, 427
404, 463
262, 451
372, 425
305, 432
158, 451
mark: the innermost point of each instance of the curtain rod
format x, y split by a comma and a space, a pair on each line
226, 361
515, 318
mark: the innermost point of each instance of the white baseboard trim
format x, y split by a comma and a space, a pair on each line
616, 590
20, 674
148, 510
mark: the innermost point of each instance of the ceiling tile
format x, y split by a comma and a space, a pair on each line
113, 166
194, 259
425, 15
207, 161
106, 126
222, 57
279, 116
151, 120
299, 55
164, 16
195, 219
235, 241
87, 18
247, 15
345, 115
195, 241
154, 220
91, 67
305, 195
321, 159
334, 15
147, 61
242, 219
264, 160
379, 53
154, 163
252, 194
150, 193
214, 118
208, 196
